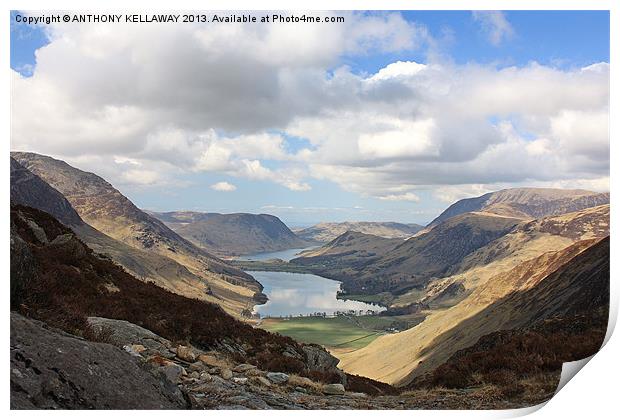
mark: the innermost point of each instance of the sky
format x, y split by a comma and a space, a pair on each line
389, 116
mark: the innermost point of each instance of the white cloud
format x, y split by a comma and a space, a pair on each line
400, 197
154, 103
495, 25
223, 186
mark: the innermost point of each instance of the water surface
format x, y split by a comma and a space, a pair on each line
303, 294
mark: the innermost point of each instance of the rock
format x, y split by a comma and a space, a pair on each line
173, 372
138, 348
263, 381
243, 367
333, 389
277, 377
196, 367
317, 358
226, 373
358, 395
130, 350
194, 375
211, 360
121, 333
204, 376
300, 389
62, 371
157, 360
240, 381
186, 353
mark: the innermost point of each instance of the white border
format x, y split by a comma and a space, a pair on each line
592, 393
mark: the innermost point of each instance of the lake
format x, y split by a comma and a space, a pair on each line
303, 294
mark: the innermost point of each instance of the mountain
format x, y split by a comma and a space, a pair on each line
526, 203
113, 225
232, 234
373, 265
326, 232
504, 288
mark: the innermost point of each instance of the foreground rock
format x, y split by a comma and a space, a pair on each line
333, 389
52, 369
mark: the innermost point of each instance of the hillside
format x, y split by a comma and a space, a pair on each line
232, 234
374, 265
526, 203
513, 263
326, 232
112, 225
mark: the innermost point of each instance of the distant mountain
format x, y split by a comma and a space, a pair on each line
370, 265
103, 207
526, 203
232, 234
503, 287
325, 232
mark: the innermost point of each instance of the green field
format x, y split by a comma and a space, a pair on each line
340, 332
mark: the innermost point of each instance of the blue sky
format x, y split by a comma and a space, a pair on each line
563, 41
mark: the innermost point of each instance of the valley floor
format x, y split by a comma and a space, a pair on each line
339, 334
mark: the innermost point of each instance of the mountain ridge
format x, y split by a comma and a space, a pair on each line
232, 234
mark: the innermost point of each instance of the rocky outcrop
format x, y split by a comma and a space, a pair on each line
52, 369
123, 333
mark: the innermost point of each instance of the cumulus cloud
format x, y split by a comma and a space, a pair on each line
145, 104
223, 186
495, 25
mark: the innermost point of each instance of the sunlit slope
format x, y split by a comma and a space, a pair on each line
522, 259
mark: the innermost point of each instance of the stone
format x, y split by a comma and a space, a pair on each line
196, 367
277, 377
226, 373
157, 360
333, 389
240, 381
125, 333
173, 372
300, 389
138, 348
243, 367
204, 376
186, 353
211, 360
130, 350
263, 381
194, 375
358, 395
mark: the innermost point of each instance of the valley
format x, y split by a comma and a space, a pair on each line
392, 311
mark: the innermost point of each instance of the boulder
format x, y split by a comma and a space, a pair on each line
187, 354
226, 373
121, 333
240, 381
277, 377
243, 367
60, 371
333, 389
173, 372
210, 360
196, 367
